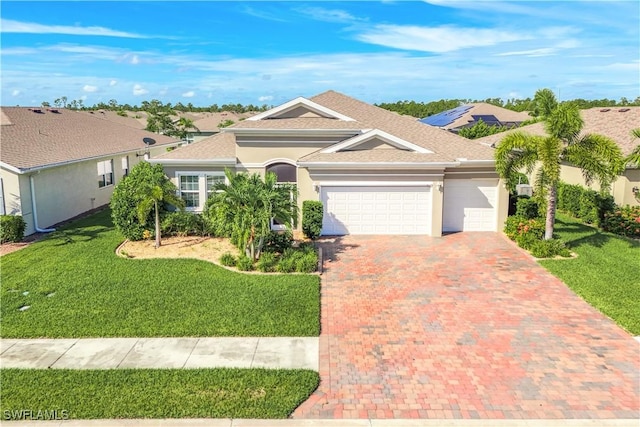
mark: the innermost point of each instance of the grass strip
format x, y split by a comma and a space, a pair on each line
154, 393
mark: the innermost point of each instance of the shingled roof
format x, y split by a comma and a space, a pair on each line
613, 122
34, 138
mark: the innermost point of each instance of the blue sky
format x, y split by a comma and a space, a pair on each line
265, 52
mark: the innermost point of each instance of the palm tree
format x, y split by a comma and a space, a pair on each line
544, 102
183, 127
248, 204
597, 156
158, 189
634, 157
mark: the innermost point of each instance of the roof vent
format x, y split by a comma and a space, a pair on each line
36, 110
604, 110
624, 110
54, 110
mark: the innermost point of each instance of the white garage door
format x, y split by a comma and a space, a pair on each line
376, 210
470, 205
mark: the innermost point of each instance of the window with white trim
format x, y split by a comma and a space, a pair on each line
105, 173
286, 174
196, 187
125, 166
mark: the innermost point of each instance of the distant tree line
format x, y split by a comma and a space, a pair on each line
426, 109
113, 105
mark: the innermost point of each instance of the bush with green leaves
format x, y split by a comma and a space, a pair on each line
528, 207
267, 262
312, 214
12, 228
301, 260
228, 260
549, 249
183, 223
588, 205
278, 241
130, 194
244, 263
525, 232
624, 221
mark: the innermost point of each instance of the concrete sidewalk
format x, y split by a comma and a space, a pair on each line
121, 353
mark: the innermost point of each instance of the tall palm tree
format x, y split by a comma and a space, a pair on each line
183, 127
597, 156
158, 189
248, 204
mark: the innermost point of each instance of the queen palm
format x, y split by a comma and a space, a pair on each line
598, 157
247, 204
634, 157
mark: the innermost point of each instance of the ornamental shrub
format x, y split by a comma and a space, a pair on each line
11, 228
244, 263
228, 260
549, 249
528, 208
624, 221
524, 231
267, 262
584, 203
278, 241
183, 223
312, 213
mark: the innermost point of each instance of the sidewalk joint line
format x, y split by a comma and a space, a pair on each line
128, 352
65, 352
191, 352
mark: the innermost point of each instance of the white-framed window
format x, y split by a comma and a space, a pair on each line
105, 173
195, 187
125, 166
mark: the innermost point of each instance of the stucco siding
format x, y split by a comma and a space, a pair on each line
621, 188
11, 192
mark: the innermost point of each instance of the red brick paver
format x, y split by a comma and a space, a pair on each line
463, 326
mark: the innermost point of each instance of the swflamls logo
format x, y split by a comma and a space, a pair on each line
35, 415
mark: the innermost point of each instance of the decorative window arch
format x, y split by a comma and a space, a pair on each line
285, 172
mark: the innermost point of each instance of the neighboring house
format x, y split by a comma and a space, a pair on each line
135, 120
613, 122
468, 115
56, 163
376, 172
208, 124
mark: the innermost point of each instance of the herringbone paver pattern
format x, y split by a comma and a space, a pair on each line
463, 326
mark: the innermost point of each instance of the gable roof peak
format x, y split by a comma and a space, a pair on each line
298, 102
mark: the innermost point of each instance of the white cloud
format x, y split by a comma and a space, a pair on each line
90, 88
11, 26
436, 39
113, 83
15, 92
135, 59
139, 90
189, 94
328, 15
265, 98
546, 51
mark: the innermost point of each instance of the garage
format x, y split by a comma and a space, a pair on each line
376, 210
470, 205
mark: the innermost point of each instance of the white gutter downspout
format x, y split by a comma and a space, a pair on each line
35, 210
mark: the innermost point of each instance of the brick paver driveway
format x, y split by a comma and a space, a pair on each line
463, 326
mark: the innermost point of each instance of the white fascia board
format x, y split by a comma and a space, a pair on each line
376, 165
374, 183
391, 139
194, 162
11, 168
289, 132
296, 103
465, 162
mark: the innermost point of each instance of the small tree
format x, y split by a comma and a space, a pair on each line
246, 207
312, 213
144, 190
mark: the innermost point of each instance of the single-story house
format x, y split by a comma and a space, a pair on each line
56, 163
468, 115
375, 172
613, 122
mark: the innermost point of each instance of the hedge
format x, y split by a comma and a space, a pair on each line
583, 203
312, 212
11, 228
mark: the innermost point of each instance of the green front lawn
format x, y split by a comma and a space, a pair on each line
76, 286
155, 393
606, 272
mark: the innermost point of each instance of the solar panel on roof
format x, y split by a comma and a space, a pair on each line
446, 117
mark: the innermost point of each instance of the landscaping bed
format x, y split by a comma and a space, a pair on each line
73, 285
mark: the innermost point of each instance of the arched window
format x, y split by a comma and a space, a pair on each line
284, 171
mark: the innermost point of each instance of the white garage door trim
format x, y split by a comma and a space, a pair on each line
470, 205
376, 209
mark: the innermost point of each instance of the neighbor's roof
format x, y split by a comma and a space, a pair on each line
463, 115
218, 146
32, 140
615, 123
113, 116
207, 122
